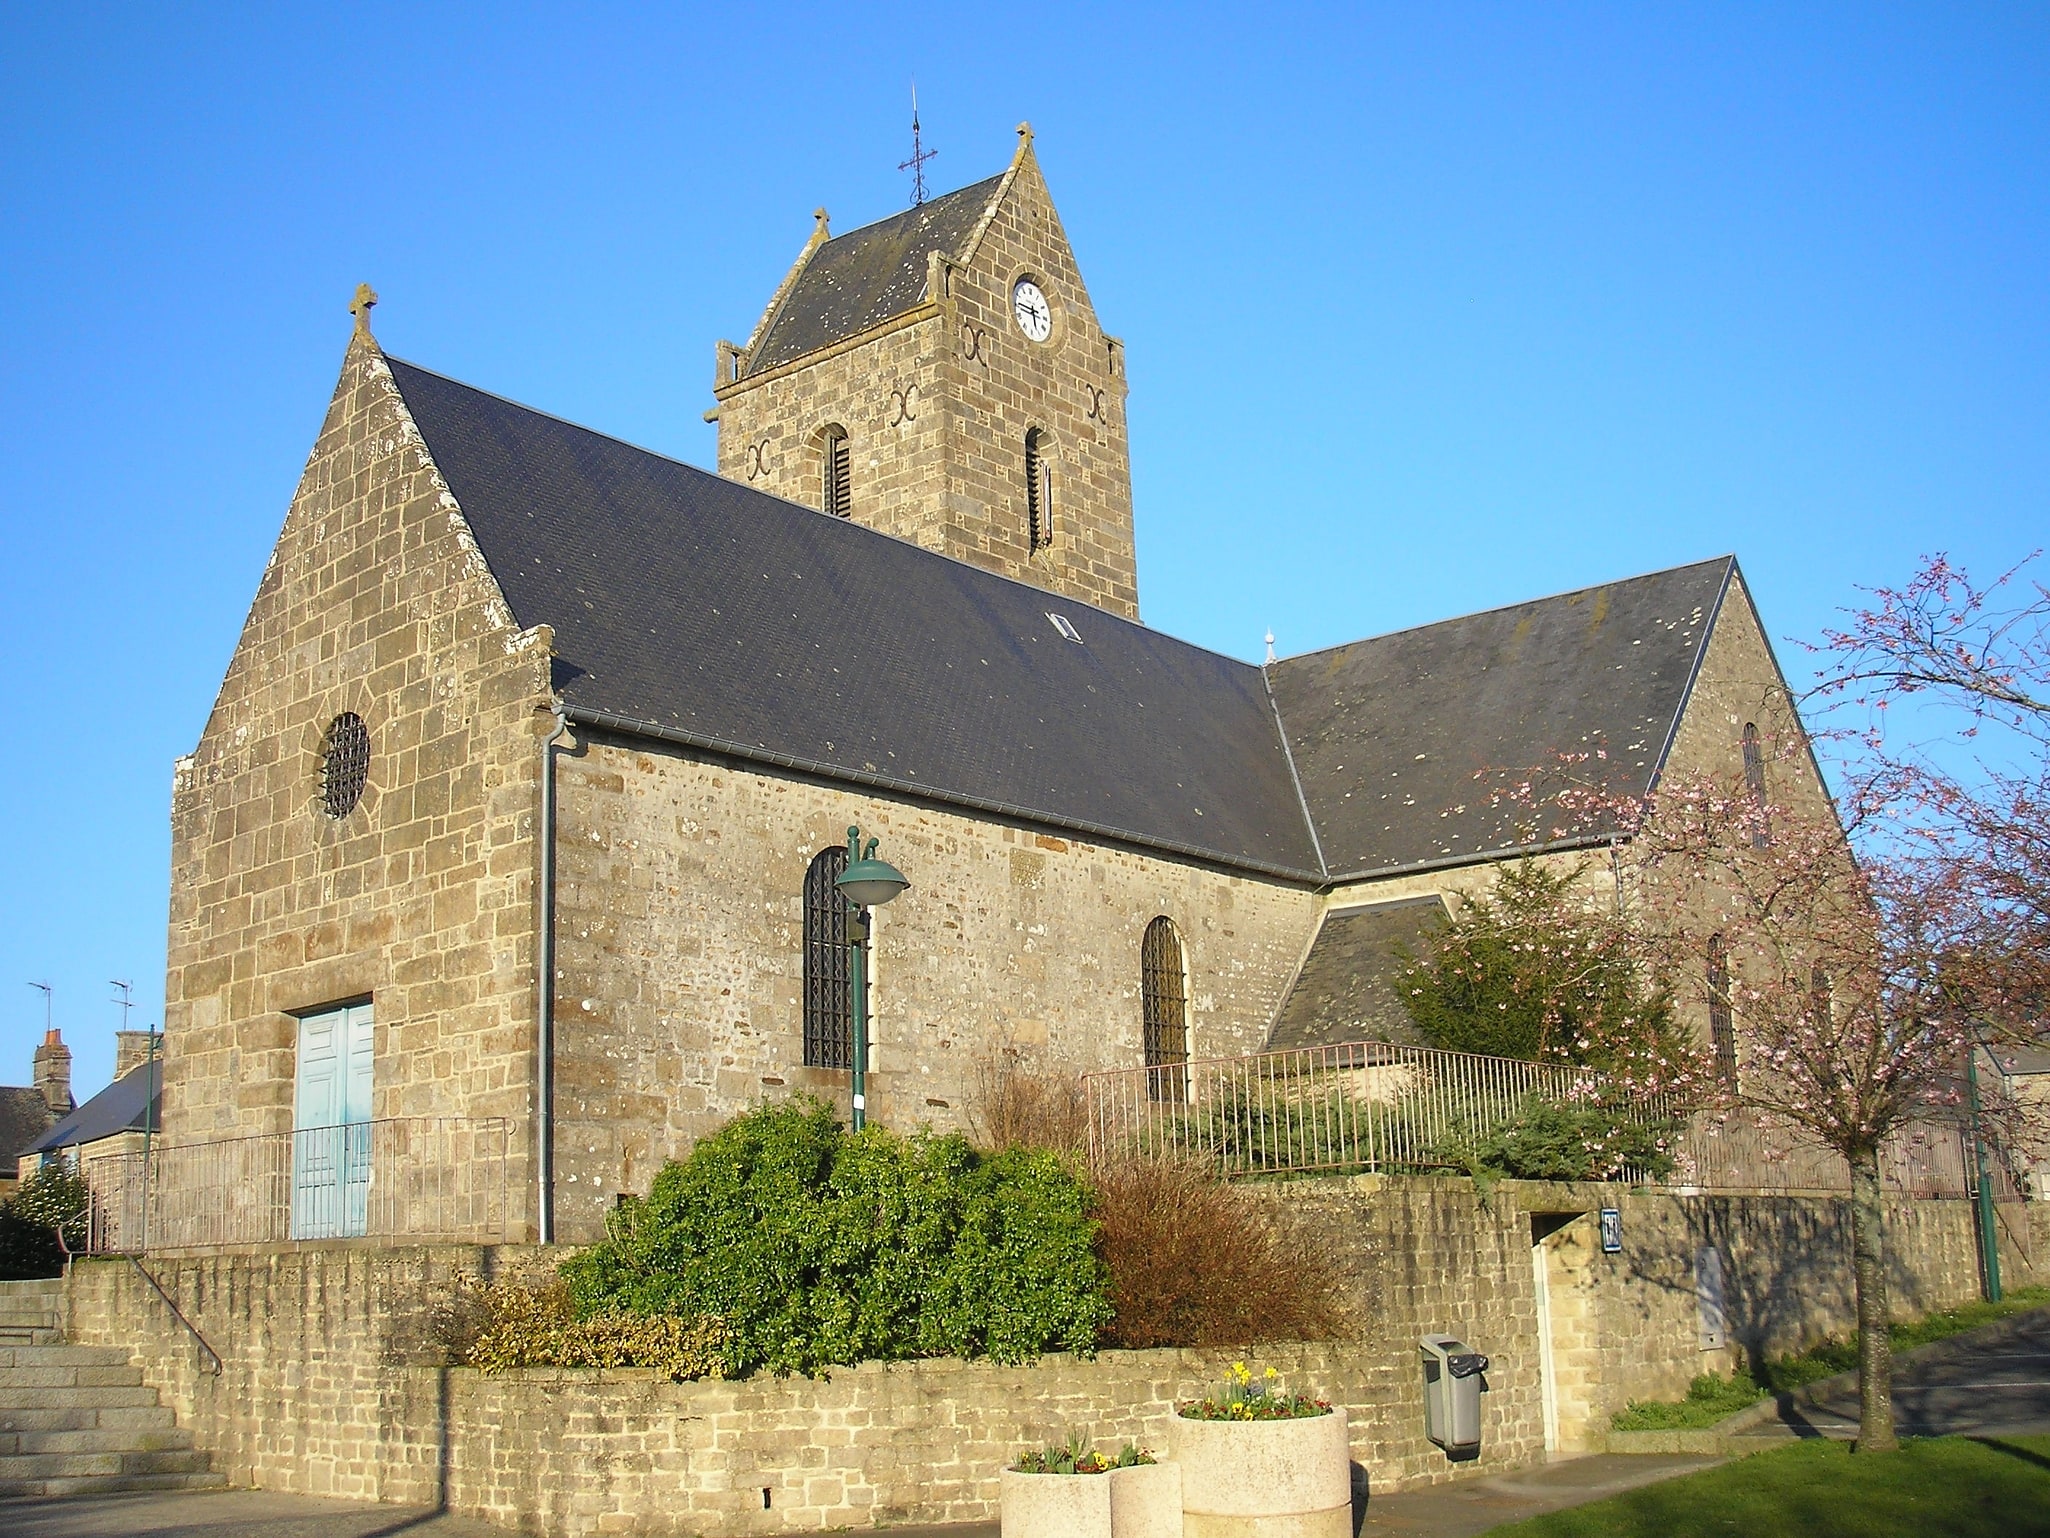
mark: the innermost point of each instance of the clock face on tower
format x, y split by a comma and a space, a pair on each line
1035, 315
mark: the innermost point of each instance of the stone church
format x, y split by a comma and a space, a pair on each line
525, 789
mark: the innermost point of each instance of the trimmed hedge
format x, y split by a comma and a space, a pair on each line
814, 1246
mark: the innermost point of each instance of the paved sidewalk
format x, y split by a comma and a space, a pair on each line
1456, 1510
1469, 1506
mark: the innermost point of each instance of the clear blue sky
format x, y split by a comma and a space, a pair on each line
1428, 308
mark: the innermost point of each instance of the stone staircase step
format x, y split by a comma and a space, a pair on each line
63, 1356
12, 1378
119, 1439
24, 1466
72, 1397
113, 1484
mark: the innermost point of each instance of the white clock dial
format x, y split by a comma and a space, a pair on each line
1035, 315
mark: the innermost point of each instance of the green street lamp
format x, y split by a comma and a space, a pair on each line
866, 883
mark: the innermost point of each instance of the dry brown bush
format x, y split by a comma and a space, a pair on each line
1193, 1259
1015, 1107
1197, 1261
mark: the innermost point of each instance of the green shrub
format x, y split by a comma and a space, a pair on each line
53, 1199
1710, 1398
539, 1327
1581, 1142
817, 1246
1533, 971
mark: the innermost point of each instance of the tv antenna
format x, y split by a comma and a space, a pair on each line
125, 1001
44, 989
919, 153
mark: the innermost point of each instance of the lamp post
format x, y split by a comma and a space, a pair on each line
1989, 1234
866, 883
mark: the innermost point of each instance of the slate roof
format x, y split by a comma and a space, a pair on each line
862, 278
1346, 990
1398, 740
24, 1117
690, 605
126, 1105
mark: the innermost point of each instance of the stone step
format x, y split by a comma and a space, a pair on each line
148, 1417
113, 1484
117, 1439
63, 1356
67, 1376
91, 1465
77, 1398
34, 1287
47, 1314
30, 1335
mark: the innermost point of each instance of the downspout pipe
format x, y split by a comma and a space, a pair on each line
544, 982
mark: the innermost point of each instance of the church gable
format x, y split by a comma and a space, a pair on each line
343, 828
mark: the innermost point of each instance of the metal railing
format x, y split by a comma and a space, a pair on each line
1383, 1108
414, 1178
1370, 1106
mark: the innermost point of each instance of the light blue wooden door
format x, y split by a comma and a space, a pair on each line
331, 1125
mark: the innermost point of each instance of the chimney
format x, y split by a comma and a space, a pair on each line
131, 1050
53, 1073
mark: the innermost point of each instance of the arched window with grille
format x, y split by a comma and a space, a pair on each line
1038, 490
1754, 782
828, 1004
1164, 1003
836, 473
1722, 1029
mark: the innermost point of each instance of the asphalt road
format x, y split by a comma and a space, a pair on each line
2002, 1390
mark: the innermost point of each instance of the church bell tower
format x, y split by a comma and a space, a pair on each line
940, 376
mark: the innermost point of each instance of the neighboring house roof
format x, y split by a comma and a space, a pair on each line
689, 607
860, 279
1346, 989
1401, 740
24, 1117
2022, 1062
126, 1105
689, 604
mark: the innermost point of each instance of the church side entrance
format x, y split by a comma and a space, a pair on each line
331, 1124
1562, 1251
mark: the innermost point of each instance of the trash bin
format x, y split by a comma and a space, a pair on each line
1454, 1380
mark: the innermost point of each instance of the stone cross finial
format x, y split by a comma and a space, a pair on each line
1025, 132
825, 225
359, 307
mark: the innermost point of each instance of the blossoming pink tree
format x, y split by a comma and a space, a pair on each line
1821, 979
1940, 693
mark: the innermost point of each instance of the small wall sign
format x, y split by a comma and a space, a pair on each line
1612, 1230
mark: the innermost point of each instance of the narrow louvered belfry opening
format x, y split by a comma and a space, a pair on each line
1754, 782
1722, 1031
1164, 1002
828, 1005
1038, 491
837, 468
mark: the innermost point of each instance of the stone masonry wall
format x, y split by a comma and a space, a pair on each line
333, 1380
375, 601
680, 928
936, 404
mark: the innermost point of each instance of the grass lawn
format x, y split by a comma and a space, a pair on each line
1711, 1396
1945, 1487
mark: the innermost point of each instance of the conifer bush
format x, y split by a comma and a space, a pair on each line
813, 1246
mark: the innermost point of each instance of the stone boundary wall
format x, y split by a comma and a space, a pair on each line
334, 1382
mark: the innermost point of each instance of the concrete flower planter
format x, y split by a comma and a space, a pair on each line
1146, 1501
1276, 1479
1141, 1502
